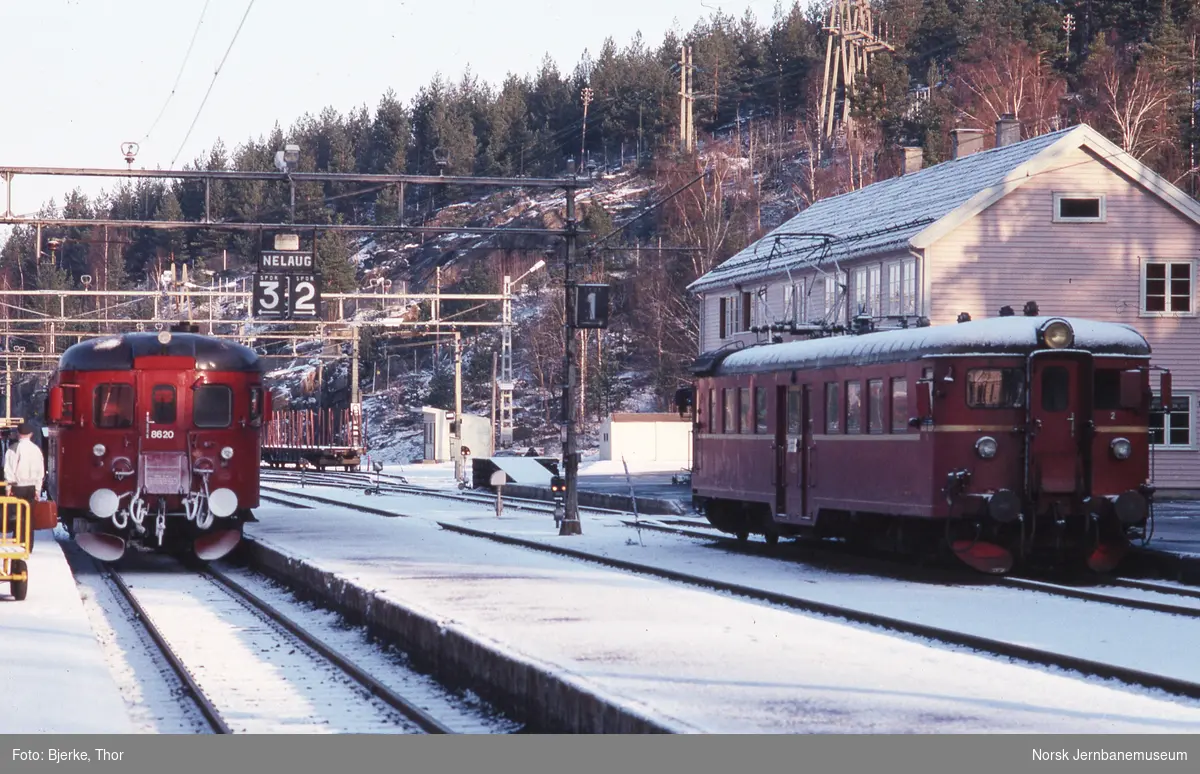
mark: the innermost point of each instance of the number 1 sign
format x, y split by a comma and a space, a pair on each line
591, 306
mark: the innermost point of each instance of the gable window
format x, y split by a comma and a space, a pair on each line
1172, 429
733, 314
1079, 208
1168, 288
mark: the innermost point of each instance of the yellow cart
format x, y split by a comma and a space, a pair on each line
15, 547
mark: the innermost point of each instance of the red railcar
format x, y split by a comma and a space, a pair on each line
154, 440
1007, 438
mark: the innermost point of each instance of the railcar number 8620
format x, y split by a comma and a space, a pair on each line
162, 433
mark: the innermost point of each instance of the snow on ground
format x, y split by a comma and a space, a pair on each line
53, 670
709, 662
617, 468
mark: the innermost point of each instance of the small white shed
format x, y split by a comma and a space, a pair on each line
440, 445
646, 438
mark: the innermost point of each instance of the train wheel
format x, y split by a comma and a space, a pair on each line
772, 538
19, 588
743, 536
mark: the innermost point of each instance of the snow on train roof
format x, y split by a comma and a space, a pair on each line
1003, 335
117, 352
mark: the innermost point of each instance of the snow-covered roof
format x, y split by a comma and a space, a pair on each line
915, 209
999, 335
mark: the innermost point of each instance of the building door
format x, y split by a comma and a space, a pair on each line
782, 452
799, 439
1059, 412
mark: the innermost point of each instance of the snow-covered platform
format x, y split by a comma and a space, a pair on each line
690, 660
51, 666
1174, 547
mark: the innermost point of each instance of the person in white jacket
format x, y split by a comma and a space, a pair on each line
25, 469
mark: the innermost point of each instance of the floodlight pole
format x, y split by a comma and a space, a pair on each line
570, 523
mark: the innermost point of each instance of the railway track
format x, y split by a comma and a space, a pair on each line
996, 647
249, 668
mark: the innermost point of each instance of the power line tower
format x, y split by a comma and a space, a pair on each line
853, 40
687, 102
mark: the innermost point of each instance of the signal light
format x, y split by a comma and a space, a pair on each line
558, 485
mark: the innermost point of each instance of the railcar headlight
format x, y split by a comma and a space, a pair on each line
227, 453
99, 450
1058, 334
1121, 448
986, 447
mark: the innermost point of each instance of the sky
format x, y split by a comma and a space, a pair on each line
84, 76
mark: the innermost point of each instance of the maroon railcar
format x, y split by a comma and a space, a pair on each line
1005, 439
154, 440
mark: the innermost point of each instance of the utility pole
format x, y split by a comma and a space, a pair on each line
506, 367
570, 523
587, 100
437, 315
459, 469
495, 444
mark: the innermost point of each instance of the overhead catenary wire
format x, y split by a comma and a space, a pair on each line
186, 56
212, 83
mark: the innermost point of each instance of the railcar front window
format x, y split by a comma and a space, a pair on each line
1056, 383
996, 388
833, 408
854, 408
162, 405
212, 406
760, 410
1106, 394
114, 405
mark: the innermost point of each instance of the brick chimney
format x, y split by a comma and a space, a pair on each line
1008, 130
966, 142
914, 159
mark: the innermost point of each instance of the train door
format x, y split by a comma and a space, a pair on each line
783, 448
1059, 413
163, 465
799, 440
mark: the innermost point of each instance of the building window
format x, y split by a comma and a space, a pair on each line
894, 285
909, 290
1172, 429
794, 411
854, 408
760, 410
831, 298
747, 409
762, 311
875, 292
875, 406
1079, 208
833, 408
729, 400
1167, 288
862, 295
900, 405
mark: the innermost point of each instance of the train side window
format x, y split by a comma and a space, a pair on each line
747, 411
730, 402
833, 408
113, 405
212, 406
794, 411
256, 403
1056, 387
875, 406
68, 409
712, 411
900, 405
1107, 395
996, 388
162, 404
760, 410
854, 408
